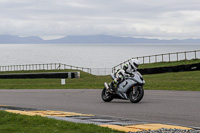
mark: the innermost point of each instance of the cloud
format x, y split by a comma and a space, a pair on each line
153, 18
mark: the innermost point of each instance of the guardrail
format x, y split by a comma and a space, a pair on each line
50, 66
55, 66
167, 57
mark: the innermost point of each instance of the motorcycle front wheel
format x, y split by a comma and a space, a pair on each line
136, 97
106, 96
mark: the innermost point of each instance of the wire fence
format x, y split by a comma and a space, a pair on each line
55, 66
50, 66
168, 57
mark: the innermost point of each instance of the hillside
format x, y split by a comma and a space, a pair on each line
13, 39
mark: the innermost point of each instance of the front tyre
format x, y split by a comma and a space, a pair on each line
106, 96
136, 97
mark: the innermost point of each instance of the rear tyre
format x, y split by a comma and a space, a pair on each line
136, 97
106, 96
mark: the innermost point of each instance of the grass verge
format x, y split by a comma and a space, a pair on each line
85, 81
185, 81
167, 81
15, 123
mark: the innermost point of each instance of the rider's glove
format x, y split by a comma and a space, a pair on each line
115, 80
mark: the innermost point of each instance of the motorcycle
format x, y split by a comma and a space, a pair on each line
129, 89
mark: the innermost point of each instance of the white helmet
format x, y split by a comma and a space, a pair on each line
134, 63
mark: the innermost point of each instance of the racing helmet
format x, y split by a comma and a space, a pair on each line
134, 63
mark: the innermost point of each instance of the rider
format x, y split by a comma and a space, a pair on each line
119, 77
131, 66
128, 70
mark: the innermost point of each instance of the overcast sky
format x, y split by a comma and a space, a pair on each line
163, 19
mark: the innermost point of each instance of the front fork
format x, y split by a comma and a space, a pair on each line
135, 89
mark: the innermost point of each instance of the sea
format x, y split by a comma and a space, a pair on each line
84, 55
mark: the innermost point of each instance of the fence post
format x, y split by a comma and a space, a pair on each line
121, 65
155, 58
114, 69
169, 57
185, 56
89, 70
177, 56
149, 59
143, 59
195, 54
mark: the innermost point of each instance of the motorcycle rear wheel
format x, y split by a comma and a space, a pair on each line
136, 97
106, 96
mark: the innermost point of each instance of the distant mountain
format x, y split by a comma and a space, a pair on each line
101, 39
11, 39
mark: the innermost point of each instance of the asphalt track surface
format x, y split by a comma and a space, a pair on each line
165, 107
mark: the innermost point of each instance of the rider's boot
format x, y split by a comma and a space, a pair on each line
112, 86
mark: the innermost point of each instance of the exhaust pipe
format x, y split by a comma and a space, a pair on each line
106, 86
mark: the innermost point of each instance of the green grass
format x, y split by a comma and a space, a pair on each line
185, 81
85, 81
166, 81
15, 123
